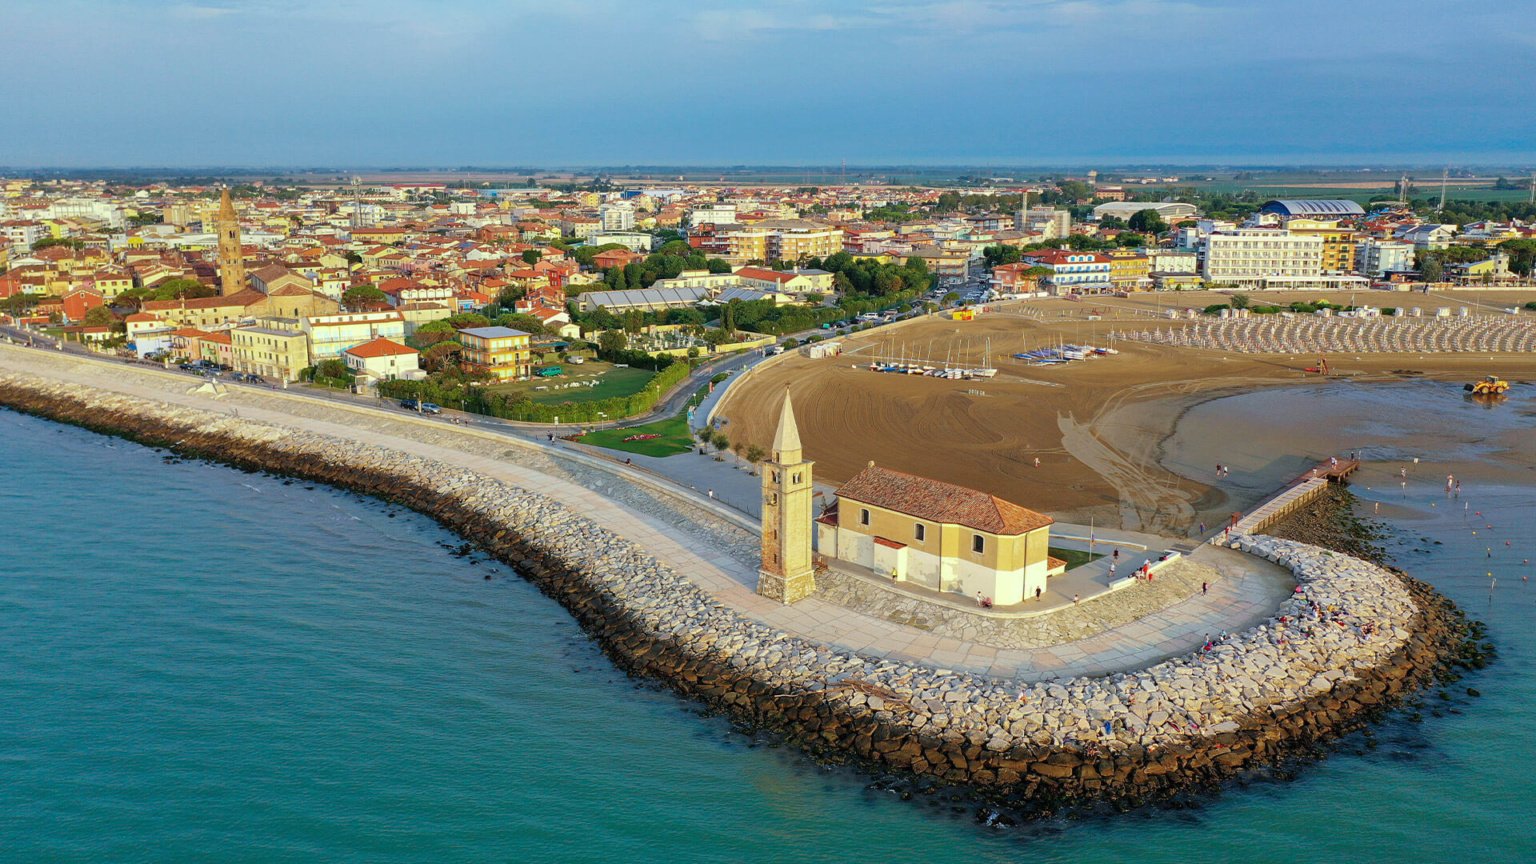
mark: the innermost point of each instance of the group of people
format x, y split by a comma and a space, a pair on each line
1222, 470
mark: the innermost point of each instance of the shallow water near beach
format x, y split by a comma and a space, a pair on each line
198, 664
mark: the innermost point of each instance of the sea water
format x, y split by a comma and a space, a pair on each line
199, 664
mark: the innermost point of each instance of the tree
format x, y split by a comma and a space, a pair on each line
1075, 190
98, 316
756, 453
532, 256
952, 297
1147, 222
333, 368
717, 265
361, 295
634, 321
738, 448
1432, 271
720, 441
612, 341
1240, 301
441, 356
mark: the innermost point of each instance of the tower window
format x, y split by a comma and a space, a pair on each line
863, 516
919, 531
978, 543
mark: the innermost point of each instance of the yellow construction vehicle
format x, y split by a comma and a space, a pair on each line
1490, 386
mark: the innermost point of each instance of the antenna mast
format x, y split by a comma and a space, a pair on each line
1444, 172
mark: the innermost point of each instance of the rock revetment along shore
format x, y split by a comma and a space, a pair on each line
1351, 642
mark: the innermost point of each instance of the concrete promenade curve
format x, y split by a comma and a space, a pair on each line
697, 538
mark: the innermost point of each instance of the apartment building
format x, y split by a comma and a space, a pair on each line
274, 348
330, 335
1376, 258
1071, 272
501, 351
1338, 242
1247, 257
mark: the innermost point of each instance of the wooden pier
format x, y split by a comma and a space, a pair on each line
1298, 494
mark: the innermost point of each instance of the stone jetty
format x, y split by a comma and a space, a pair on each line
1352, 640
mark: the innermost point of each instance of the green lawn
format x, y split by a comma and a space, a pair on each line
613, 381
675, 437
1073, 557
673, 431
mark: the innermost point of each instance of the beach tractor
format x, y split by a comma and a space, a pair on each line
1489, 386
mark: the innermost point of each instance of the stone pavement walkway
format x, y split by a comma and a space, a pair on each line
1235, 604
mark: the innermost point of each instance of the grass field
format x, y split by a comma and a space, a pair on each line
673, 431
1073, 557
612, 381
675, 436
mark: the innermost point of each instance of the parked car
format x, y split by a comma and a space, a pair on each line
410, 404
431, 408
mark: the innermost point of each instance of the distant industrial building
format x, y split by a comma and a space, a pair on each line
1170, 211
1314, 209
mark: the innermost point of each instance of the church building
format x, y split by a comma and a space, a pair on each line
939, 536
911, 529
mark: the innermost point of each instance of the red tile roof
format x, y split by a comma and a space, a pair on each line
937, 501
379, 347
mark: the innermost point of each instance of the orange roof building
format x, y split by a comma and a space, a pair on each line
939, 536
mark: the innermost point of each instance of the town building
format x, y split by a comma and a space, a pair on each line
274, 348
330, 335
382, 359
1248, 256
939, 536
1129, 269
1071, 272
616, 217
1009, 279
1377, 258
501, 351
1338, 242
1049, 221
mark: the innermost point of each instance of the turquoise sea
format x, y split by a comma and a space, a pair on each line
198, 664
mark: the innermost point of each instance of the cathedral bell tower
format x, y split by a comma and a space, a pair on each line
786, 574
231, 253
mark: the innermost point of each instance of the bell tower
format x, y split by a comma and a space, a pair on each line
786, 573
231, 253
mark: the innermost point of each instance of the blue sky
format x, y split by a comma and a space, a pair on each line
571, 82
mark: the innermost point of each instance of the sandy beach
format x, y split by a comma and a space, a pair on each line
1102, 429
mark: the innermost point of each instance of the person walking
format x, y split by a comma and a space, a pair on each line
1205, 587
978, 599
711, 494
1074, 599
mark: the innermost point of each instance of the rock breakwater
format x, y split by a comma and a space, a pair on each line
1352, 640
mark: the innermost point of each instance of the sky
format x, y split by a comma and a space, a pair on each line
116, 83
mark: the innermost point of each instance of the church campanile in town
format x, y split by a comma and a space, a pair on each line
786, 574
231, 253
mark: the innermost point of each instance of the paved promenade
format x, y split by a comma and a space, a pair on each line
1244, 591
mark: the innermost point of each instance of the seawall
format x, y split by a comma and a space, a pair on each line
1268, 694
